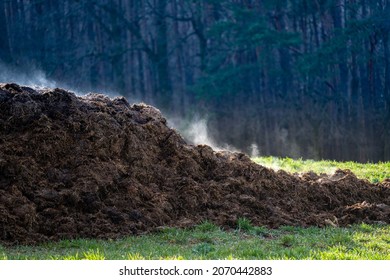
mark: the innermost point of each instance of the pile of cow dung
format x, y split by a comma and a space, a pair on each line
96, 167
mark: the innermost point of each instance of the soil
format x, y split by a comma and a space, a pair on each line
95, 167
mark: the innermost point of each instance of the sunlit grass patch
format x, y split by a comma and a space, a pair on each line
374, 172
207, 241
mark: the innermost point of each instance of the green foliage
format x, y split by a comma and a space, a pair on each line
203, 249
93, 255
224, 82
244, 224
239, 38
207, 226
135, 256
287, 240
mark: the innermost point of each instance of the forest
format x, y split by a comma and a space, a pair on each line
293, 78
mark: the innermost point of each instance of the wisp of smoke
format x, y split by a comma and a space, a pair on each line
254, 150
37, 79
196, 132
34, 78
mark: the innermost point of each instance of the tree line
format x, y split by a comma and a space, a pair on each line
297, 78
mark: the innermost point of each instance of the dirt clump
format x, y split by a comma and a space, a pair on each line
97, 167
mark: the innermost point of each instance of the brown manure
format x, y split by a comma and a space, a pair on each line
96, 167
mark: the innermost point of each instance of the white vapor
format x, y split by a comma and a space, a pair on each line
196, 131
198, 134
34, 78
254, 150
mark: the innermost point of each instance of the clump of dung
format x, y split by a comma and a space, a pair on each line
95, 167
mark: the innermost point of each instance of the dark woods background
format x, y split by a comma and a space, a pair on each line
297, 78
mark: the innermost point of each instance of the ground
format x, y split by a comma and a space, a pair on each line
93, 167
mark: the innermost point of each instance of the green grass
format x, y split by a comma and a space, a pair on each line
207, 241
374, 172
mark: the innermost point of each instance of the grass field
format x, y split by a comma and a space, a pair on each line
207, 241
374, 172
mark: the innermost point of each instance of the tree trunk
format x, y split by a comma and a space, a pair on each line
162, 60
5, 52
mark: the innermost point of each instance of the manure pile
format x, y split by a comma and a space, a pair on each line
97, 167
